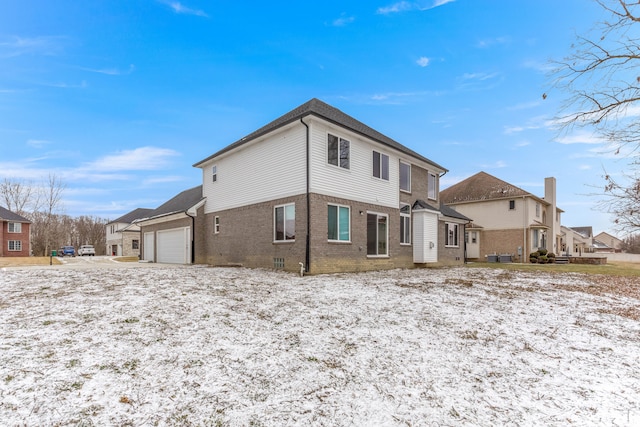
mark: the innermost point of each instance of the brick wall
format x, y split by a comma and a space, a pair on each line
502, 242
450, 255
23, 237
127, 243
179, 223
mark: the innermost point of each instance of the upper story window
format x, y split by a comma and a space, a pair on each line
15, 227
405, 177
285, 223
537, 210
432, 186
512, 205
381, 166
338, 151
214, 173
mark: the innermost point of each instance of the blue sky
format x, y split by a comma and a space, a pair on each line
120, 98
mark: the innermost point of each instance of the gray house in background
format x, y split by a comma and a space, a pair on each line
123, 236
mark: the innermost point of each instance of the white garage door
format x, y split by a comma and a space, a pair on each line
148, 246
173, 246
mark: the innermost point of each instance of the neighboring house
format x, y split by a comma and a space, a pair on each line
320, 189
576, 240
123, 236
506, 219
15, 234
168, 231
611, 241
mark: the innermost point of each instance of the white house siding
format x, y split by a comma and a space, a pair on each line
425, 236
263, 170
357, 182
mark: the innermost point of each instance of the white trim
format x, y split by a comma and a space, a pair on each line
400, 176
284, 211
216, 224
338, 223
377, 255
402, 219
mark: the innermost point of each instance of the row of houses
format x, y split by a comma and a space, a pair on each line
319, 190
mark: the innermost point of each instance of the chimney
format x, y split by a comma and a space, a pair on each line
554, 226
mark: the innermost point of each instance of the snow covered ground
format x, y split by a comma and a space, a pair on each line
212, 346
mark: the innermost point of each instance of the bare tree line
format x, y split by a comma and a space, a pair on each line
50, 228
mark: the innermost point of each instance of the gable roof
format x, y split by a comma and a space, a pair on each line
480, 187
320, 109
7, 215
182, 202
128, 218
444, 210
584, 231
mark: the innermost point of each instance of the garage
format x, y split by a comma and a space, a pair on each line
173, 246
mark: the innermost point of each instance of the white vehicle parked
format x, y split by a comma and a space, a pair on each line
86, 250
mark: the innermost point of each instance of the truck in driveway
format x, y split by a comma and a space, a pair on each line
86, 250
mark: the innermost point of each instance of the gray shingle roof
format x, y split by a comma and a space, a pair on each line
179, 203
331, 114
444, 210
7, 215
128, 218
480, 186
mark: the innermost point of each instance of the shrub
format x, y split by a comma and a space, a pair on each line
542, 251
533, 260
542, 259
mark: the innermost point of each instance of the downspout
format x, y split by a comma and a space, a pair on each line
525, 255
307, 255
193, 233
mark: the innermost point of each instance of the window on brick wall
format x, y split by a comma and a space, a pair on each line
405, 224
216, 224
432, 183
451, 234
338, 223
15, 227
285, 223
135, 244
377, 234
15, 245
405, 177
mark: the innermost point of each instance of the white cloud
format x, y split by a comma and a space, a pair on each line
143, 158
491, 42
423, 61
37, 143
580, 138
497, 165
43, 45
184, 10
111, 71
342, 21
405, 6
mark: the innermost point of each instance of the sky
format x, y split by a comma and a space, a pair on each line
120, 98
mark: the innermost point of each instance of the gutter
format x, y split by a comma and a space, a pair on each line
193, 234
307, 254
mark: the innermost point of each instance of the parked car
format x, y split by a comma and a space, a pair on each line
86, 250
67, 251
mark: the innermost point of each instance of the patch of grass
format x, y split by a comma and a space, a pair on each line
610, 269
127, 259
27, 261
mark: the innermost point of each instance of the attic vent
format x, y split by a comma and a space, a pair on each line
278, 263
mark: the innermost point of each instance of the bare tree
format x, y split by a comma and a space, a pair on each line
602, 78
18, 196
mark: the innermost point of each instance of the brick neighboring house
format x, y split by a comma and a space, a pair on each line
319, 188
123, 236
506, 219
168, 232
15, 234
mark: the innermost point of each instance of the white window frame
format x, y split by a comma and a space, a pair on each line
214, 173
284, 224
216, 224
406, 190
338, 207
339, 160
378, 215
405, 218
537, 210
380, 162
14, 227
432, 181
14, 245
452, 236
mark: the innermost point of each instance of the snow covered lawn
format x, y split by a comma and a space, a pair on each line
212, 346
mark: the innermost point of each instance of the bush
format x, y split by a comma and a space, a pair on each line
542, 259
533, 260
542, 251
551, 257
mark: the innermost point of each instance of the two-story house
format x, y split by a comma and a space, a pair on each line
320, 190
123, 235
506, 219
15, 236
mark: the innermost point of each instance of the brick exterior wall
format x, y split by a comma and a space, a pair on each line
502, 242
246, 238
450, 255
127, 243
23, 237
